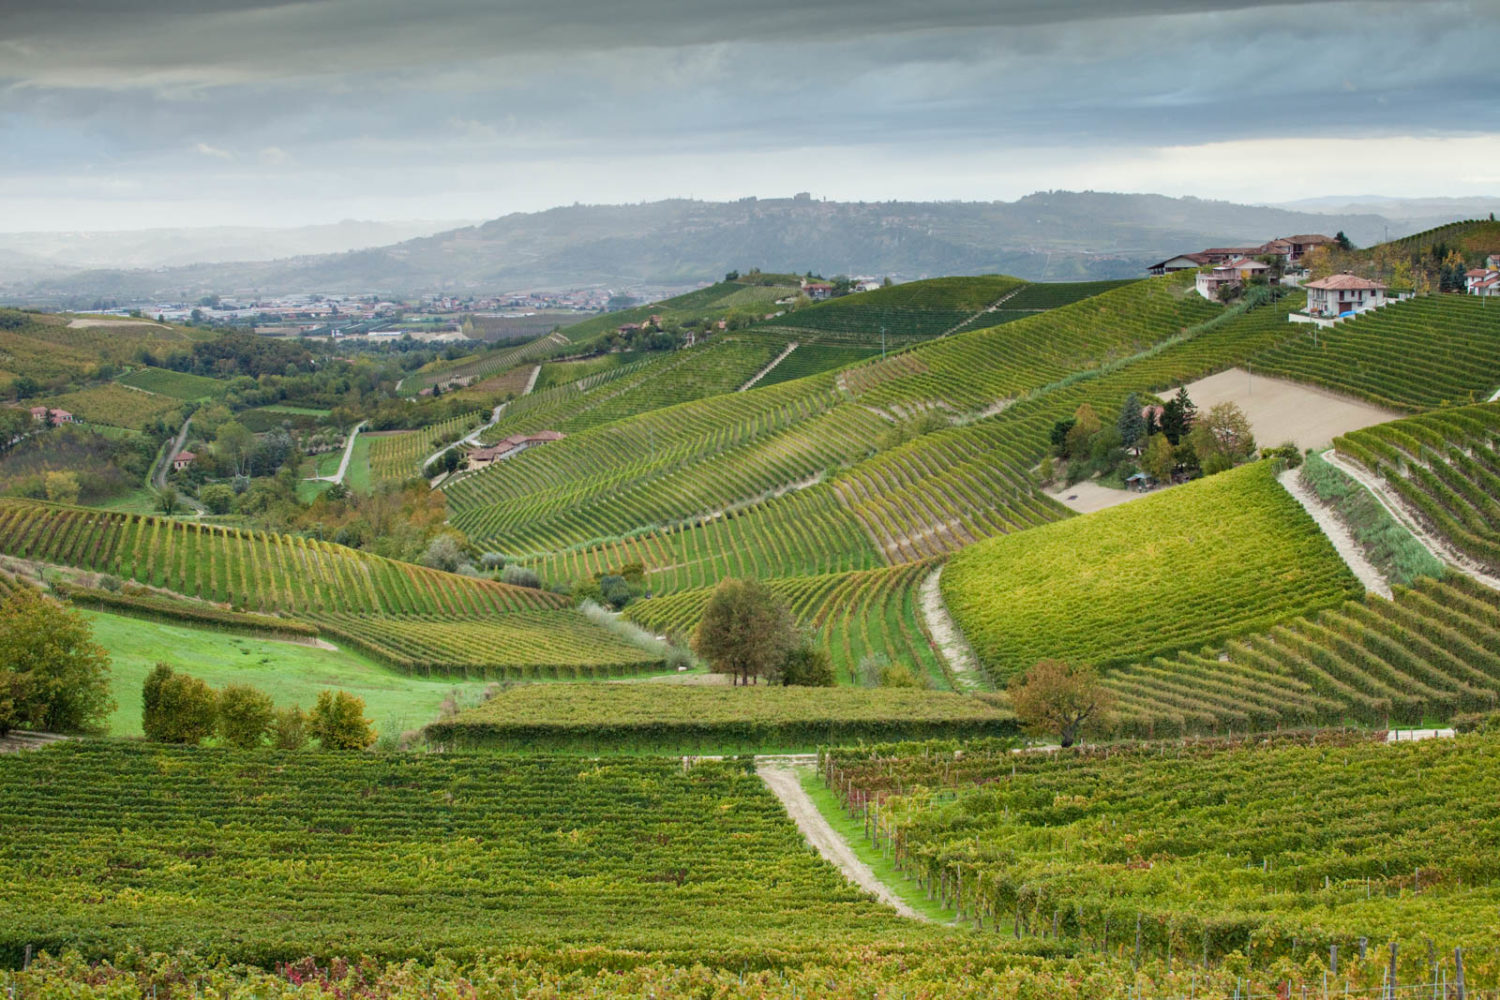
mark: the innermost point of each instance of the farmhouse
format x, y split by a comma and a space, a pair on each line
1182, 262
183, 460
1339, 294
58, 417
510, 447
1232, 275
818, 290
1483, 281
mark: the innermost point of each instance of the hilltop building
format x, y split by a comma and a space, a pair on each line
1484, 280
1232, 275
510, 447
1291, 249
1343, 294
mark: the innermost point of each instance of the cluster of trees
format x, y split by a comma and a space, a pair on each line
53, 676
749, 633
178, 708
1438, 267
70, 464
1166, 441
617, 589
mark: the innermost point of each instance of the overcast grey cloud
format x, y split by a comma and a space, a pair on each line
118, 114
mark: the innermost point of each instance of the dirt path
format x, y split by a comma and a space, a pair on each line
1088, 496
783, 782
946, 636
1338, 533
536, 371
1439, 548
767, 369
338, 477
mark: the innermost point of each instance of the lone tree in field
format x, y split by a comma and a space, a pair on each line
53, 676
1057, 697
746, 631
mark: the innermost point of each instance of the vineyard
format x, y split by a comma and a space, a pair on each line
178, 385
270, 856
521, 645
251, 570
1201, 852
910, 313
1189, 565
45, 348
1430, 654
853, 615
974, 370
674, 718
1445, 466
395, 458
814, 359
1438, 350
116, 406
479, 367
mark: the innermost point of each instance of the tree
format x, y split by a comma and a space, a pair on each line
746, 631
1132, 424
53, 676
1177, 416
1085, 425
1061, 698
443, 553
234, 443
1344, 243
62, 487
245, 715
289, 729
1059, 436
1159, 458
217, 497
176, 708
1222, 438
338, 722
166, 500
807, 666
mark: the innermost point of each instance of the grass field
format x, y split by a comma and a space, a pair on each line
291, 673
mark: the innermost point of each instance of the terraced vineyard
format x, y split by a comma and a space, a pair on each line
653, 383
1269, 850
395, 458
913, 312
259, 572
1438, 350
981, 474
676, 718
521, 645
1445, 466
115, 406
1430, 654
976, 370
178, 385
484, 365
854, 615
1190, 565
805, 533
813, 359
405, 855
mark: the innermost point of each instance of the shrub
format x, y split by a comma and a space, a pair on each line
217, 497
520, 576
289, 728
246, 715
338, 722
808, 666
899, 675
177, 708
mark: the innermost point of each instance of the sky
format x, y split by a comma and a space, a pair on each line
117, 114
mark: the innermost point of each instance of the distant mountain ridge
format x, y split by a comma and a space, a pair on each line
1058, 235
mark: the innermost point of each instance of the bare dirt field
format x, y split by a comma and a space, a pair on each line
1088, 496
83, 324
1281, 411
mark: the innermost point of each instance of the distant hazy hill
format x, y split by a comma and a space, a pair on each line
1046, 236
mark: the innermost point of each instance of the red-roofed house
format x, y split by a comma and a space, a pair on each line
1234, 274
510, 447
1182, 262
183, 460
1339, 294
40, 414
818, 290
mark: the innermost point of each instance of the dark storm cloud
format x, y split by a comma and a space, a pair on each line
217, 95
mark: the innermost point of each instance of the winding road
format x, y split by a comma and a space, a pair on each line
164, 464
338, 477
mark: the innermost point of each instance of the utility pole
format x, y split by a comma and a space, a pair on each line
882, 342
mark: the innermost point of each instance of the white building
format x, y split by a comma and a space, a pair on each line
1233, 274
1342, 294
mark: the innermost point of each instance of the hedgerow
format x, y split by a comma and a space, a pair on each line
676, 718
